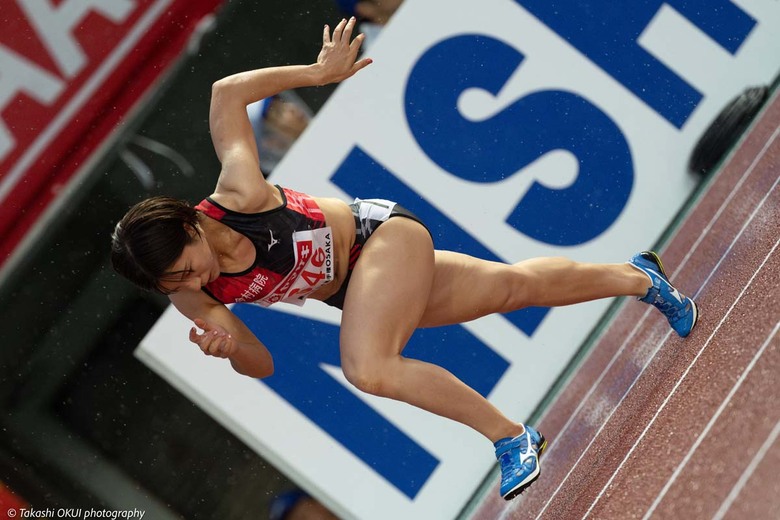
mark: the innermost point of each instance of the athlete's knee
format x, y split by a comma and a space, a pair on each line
367, 374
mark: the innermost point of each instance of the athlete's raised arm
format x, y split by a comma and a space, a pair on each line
241, 185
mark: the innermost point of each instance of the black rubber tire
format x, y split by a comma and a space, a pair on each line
726, 129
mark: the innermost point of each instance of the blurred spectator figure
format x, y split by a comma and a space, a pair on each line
374, 11
277, 122
372, 14
297, 505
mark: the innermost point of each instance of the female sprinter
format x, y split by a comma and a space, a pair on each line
250, 241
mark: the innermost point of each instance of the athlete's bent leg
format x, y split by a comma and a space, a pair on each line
387, 296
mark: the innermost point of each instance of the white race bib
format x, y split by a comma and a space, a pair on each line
313, 268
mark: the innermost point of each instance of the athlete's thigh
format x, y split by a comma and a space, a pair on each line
388, 291
466, 288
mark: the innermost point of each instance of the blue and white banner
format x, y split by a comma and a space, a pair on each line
514, 129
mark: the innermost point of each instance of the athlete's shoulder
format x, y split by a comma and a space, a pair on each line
264, 198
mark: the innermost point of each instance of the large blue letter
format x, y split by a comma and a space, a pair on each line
495, 148
606, 31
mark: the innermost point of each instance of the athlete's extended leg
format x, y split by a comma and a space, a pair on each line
467, 288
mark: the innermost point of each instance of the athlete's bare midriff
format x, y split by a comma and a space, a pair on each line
339, 217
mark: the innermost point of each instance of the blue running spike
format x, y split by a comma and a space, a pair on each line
519, 459
680, 310
537, 440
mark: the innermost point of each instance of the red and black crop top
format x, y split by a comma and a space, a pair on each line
293, 248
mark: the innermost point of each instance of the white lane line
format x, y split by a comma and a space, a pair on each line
731, 195
628, 339
604, 423
704, 347
737, 489
710, 424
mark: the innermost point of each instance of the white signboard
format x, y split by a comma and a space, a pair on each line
514, 129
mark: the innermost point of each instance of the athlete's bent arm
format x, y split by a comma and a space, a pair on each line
224, 335
241, 185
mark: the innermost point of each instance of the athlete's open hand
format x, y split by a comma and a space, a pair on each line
338, 57
215, 341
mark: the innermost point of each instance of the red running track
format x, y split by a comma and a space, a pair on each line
655, 426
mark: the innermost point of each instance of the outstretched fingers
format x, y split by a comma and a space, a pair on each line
348, 28
354, 46
339, 31
338, 58
365, 62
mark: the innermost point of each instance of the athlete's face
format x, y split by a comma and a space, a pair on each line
196, 266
